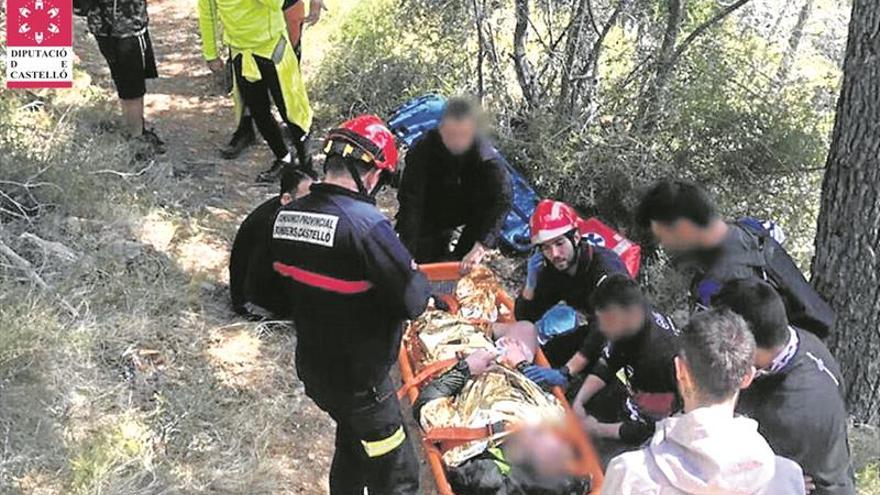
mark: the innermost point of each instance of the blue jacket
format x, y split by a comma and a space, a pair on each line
351, 285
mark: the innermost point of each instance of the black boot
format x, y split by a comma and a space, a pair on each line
273, 174
242, 138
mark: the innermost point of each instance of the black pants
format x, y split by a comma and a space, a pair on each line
373, 449
258, 97
433, 245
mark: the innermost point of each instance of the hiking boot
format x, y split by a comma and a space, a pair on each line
242, 138
147, 145
273, 174
151, 138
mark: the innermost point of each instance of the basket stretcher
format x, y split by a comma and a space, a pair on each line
588, 462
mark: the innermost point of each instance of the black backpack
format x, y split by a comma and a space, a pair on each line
805, 307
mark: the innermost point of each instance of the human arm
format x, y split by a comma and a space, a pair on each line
544, 297
411, 196
393, 273
452, 381
315, 8
208, 20
534, 265
591, 386
294, 16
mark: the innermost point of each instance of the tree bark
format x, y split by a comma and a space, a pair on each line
846, 268
520, 63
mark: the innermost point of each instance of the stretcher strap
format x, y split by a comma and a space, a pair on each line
460, 434
430, 371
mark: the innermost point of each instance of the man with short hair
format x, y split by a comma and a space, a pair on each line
643, 343
256, 290
565, 269
797, 396
686, 222
351, 285
121, 29
454, 177
708, 449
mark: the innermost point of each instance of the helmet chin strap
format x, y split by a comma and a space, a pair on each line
362, 189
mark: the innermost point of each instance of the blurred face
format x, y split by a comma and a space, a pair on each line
681, 235
619, 322
458, 135
543, 449
560, 252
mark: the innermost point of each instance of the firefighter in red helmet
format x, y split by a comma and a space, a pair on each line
566, 269
351, 285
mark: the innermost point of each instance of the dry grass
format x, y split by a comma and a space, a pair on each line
129, 375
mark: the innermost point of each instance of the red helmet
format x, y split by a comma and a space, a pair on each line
366, 138
552, 219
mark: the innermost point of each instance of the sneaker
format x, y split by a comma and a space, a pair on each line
242, 138
273, 174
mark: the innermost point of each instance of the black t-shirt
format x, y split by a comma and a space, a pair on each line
646, 358
594, 264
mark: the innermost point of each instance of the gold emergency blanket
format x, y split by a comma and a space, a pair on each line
476, 293
499, 394
445, 336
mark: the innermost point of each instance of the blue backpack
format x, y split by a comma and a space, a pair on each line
410, 121
413, 119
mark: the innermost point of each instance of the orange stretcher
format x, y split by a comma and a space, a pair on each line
588, 462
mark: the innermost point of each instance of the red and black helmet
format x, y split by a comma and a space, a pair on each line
365, 138
551, 219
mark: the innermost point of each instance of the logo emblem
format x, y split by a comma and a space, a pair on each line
595, 239
39, 50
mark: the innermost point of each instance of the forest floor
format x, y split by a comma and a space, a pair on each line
149, 383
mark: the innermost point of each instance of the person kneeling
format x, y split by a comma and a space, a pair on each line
708, 449
256, 290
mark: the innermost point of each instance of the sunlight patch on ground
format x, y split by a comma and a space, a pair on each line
237, 357
157, 231
203, 253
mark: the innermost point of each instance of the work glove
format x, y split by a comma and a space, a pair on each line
548, 377
534, 265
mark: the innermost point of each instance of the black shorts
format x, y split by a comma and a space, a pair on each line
131, 62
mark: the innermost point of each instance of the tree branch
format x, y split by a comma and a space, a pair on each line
718, 17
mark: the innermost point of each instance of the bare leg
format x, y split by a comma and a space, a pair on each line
133, 115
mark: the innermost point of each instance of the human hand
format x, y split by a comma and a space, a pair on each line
809, 484
473, 258
479, 360
515, 351
216, 65
547, 377
315, 8
533, 267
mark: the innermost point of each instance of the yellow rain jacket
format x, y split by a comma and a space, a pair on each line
254, 27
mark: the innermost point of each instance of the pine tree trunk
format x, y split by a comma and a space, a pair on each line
846, 269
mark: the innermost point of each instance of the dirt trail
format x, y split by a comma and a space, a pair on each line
211, 196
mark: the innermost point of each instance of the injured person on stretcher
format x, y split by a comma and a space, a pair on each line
526, 453
497, 431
